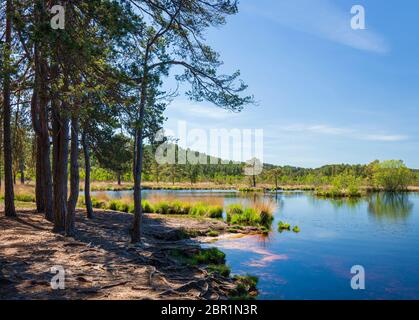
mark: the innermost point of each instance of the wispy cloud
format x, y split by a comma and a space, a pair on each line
344, 132
188, 109
385, 138
324, 19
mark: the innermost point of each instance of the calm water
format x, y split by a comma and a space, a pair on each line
380, 233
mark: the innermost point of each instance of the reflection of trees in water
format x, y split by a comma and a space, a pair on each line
392, 206
337, 203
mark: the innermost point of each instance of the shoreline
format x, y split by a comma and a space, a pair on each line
100, 263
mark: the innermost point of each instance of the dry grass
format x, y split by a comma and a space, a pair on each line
265, 205
208, 200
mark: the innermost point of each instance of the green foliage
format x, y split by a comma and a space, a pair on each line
392, 175
213, 233
343, 185
221, 269
282, 226
211, 256
25, 198
246, 288
237, 214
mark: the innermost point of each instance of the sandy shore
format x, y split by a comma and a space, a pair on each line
100, 262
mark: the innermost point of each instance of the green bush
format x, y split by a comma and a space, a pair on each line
392, 175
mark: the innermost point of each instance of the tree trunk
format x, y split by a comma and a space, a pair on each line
60, 142
119, 178
9, 206
138, 211
254, 181
22, 171
74, 176
40, 121
45, 147
88, 199
138, 161
39, 190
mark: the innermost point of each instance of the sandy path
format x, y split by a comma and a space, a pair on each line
100, 263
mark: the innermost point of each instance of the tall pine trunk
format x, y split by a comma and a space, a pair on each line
74, 176
60, 141
40, 121
137, 227
87, 197
9, 206
138, 211
22, 171
39, 190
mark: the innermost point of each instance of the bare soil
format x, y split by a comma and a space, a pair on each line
100, 262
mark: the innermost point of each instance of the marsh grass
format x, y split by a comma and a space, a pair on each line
246, 288
259, 213
211, 256
161, 205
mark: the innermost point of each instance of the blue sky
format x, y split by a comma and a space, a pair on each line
326, 93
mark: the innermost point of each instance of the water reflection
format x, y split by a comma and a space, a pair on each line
393, 206
352, 204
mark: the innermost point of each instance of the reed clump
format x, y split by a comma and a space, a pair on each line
260, 214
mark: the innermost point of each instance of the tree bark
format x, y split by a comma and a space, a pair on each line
119, 178
39, 190
60, 142
74, 176
137, 227
138, 211
40, 121
88, 199
22, 171
9, 206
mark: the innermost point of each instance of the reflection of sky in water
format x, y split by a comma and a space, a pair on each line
380, 232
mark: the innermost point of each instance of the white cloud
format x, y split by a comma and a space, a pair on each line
344, 132
323, 19
188, 109
386, 138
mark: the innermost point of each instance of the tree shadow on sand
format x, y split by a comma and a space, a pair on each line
100, 262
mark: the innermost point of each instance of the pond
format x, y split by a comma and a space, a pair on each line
379, 232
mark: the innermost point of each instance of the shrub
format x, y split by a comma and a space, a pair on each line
392, 175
